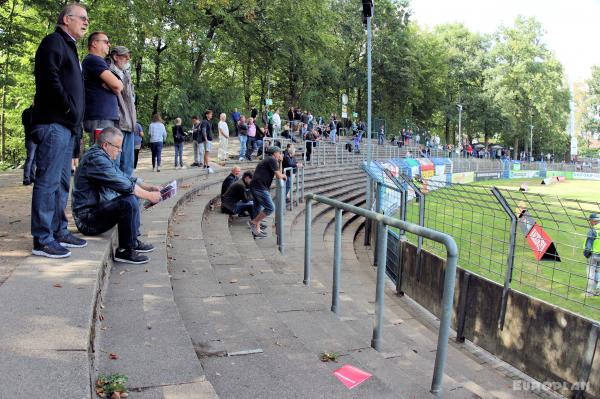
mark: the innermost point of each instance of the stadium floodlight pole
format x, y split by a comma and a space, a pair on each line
367, 15
459, 108
530, 143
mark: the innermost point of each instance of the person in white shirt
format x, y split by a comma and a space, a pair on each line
276, 123
223, 138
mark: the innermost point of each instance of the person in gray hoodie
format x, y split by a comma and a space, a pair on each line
118, 63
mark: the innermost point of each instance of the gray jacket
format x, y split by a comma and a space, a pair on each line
126, 99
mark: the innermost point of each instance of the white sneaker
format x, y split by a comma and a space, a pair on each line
183, 167
241, 159
210, 170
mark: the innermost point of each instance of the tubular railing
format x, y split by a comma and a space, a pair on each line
383, 223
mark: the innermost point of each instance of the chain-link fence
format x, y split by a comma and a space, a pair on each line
533, 241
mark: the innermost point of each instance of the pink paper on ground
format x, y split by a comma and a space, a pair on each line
350, 376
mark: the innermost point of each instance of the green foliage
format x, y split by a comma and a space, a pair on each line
190, 55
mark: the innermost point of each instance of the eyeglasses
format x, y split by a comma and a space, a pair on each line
114, 146
103, 40
84, 18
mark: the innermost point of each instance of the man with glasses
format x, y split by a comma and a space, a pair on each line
103, 196
56, 117
101, 87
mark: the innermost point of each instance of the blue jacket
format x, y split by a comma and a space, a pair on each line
98, 179
59, 91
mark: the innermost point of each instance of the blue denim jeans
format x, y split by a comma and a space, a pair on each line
263, 202
29, 168
126, 157
123, 211
52, 182
243, 143
179, 154
241, 206
156, 149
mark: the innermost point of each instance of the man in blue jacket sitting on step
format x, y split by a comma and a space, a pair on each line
104, 197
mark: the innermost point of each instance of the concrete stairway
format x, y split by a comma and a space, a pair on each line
258, 331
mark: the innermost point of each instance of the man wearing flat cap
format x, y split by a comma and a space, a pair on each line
118, 62
260, 186
592, 252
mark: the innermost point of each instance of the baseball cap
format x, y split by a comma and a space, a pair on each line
119, 50
594, 217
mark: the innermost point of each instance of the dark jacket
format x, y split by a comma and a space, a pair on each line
238, 191
98, 179
243, 129
289, 162
229, 180
59, 90
26, 117
178, 134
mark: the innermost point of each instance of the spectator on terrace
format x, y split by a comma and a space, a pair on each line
57, 114
101, 87
592, 253
235, 117
230, 179
178, 139
260, 185
196, 141
158, 136
381, 135
277, 123
205, 138
237, 200
223, 138
103, 196
242, 129
289, 161
251, 146
332, 129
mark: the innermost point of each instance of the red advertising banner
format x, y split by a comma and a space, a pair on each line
541, 244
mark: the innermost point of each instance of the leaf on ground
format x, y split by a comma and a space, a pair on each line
329, 356
113, 356
233, 280
101, 317
57, 285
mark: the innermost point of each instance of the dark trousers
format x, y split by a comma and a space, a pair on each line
136, 154
123, 211
29, 168
250, 147
156, 149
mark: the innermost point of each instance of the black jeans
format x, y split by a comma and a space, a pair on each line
124, 211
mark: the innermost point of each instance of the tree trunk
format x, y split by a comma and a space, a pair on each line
246, 82
516, 148
5, 81
157, 82
447, 130
210, 35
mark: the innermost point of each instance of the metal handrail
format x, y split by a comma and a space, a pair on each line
383, 223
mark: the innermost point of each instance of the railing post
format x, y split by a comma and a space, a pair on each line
293, 182
382, 232
279, 216
337, 263
445, 320
302, 189
510, 261
307, 240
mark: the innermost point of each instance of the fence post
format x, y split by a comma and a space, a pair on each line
307, 240
293, 182
382, 232
302, 189
337, 263
279, 216
511, 254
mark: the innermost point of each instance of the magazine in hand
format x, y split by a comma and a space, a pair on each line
168, 191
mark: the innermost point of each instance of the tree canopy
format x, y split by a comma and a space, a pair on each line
189, 55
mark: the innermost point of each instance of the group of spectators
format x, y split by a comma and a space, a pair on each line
250, 194
98, 95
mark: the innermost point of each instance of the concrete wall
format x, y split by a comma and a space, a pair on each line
545, 342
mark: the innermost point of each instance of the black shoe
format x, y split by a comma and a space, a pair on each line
129, 256
194, 164
51, 250
143, 247
70, 241
26, 182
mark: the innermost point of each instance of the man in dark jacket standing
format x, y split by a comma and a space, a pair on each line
57, 115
